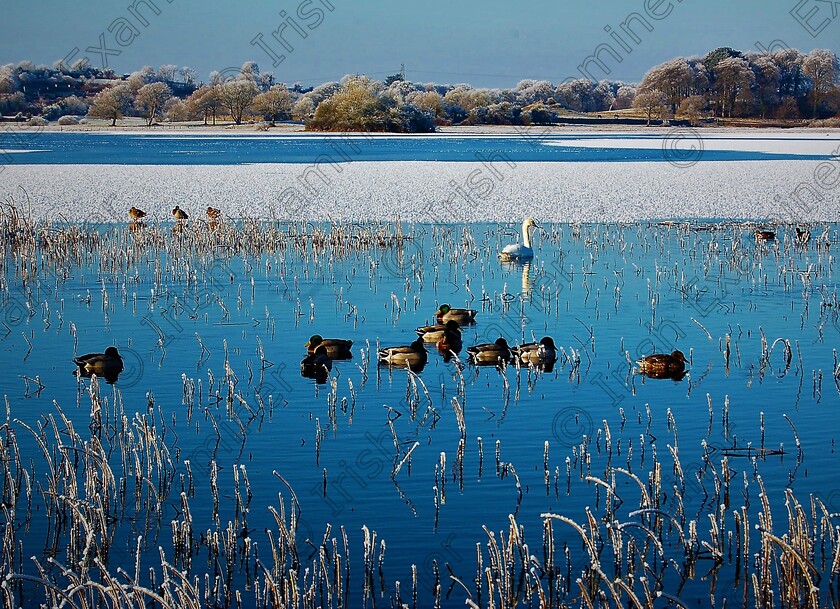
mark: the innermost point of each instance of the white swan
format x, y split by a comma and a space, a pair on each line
520, 251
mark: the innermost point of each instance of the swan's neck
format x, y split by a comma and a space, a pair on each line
526, 235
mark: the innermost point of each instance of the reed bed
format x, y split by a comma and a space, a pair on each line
119, 502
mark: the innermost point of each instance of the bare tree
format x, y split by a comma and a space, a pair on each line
151, 100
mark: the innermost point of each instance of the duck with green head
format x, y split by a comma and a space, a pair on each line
336, 348
462, 316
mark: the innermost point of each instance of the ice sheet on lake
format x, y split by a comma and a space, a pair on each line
432, 191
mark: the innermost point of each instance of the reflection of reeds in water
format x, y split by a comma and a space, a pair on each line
636, 542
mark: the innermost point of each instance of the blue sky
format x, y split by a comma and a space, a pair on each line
483, 42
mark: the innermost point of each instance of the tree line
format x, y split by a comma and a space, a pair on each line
785, 84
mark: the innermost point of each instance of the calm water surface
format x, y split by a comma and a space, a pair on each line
607, 295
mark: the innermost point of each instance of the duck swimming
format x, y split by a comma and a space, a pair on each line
541, 353
490, 354
432, 334
316, 365
662, 364
337, 348
450, 341
462, 316
520, 251
413, 356
108, 365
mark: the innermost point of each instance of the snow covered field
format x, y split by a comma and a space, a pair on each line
458, 192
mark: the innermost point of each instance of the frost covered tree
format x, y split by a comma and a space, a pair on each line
151, 100
427, 100
466, 97
237, 96
624, 97
533, 91
676, 79
355, 107
274, 103
137, 80
791, 79
692, 108
653, 103
9, 82
732, 84
167, 72
111, 103
187, 75
822, 68
204, 102
71, 105
303, 108
766, 81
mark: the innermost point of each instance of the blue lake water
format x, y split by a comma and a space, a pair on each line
212, 329
161, 149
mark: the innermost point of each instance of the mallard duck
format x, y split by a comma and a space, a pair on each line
520, 251
432, 334
136, 214
764, 235
214, 213
450, 341
462, 316
316, 365
662, 364
543, 352
411, 356
179, 214
337, 348
488, 354
107, 365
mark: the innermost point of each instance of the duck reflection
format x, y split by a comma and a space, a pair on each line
316, 365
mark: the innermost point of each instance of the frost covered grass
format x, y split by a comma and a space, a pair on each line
428, 191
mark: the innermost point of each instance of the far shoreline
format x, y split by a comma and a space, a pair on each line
132, 127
